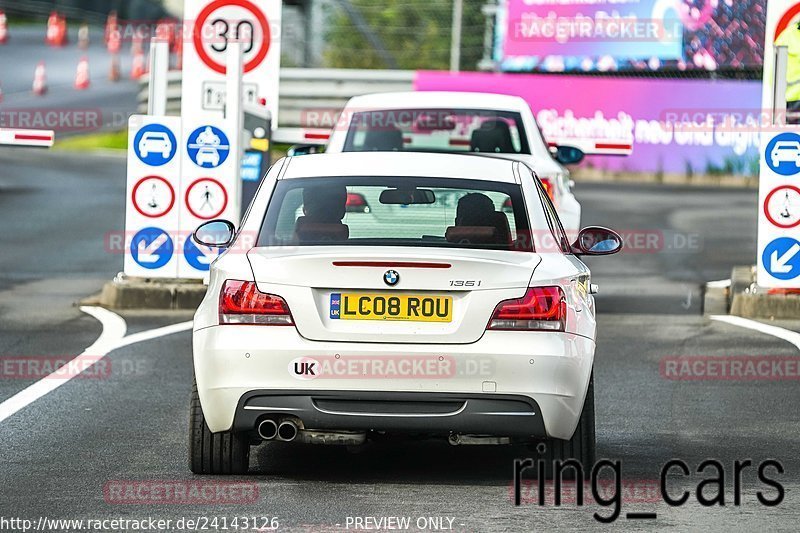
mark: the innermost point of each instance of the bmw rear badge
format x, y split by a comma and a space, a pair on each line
391, 277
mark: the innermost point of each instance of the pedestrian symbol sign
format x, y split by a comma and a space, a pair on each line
198, 256
783, 154
206, 198
155, 145
208, 147
152, 248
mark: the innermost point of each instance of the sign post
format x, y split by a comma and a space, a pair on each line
151, 214
778, 261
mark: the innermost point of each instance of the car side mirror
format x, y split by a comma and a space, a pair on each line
304, 149
215, 234
569, 155
597, 241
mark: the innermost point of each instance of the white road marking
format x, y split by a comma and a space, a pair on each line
111, 338
784, 334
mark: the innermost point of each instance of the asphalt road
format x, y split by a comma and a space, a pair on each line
73, 452
105, 104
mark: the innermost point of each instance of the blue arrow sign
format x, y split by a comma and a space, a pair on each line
783, 154
155, 145
208, 147
781, 258
152, 248
199, 259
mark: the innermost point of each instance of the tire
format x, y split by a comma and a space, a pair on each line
581, 447
214, 453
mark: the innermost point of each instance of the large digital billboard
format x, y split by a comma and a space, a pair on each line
610, 35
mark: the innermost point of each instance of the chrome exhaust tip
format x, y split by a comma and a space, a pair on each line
267, 429
287, 431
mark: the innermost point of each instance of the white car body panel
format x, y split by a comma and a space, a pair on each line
552, 368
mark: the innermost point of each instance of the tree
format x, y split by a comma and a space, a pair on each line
416, 33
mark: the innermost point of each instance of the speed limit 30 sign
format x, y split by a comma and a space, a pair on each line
214, 23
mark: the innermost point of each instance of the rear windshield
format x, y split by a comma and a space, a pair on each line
391, 211
437, 130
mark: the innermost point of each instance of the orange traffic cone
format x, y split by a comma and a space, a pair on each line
138, 69
114, 74
111, 25
3, 28
62, 31
40, 80
82, 74
179, 52
52, 29
83, 36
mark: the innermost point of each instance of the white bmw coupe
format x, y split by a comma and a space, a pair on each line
395, 293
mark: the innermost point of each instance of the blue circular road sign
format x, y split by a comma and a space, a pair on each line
199, 259
155, 145
208, 147
152, 248
781, 258
783, 154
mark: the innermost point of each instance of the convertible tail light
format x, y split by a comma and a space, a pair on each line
541, 309
240, 302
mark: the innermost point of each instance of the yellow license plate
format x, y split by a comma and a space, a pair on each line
408, 307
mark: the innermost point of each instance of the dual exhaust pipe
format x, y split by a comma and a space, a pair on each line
286, 430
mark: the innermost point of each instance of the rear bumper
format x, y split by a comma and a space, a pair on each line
544, 373
417, 412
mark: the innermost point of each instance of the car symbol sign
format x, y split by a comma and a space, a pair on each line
783, 154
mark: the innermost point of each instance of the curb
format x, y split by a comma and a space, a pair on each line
142, 293
740, 296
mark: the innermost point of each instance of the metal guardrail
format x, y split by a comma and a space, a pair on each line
305, 94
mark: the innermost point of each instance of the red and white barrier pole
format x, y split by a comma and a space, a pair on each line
31, 138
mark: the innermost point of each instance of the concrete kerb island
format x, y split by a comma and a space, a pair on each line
741, 296
125, 292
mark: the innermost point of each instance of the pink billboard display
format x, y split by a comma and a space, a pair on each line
608, 35
675, 126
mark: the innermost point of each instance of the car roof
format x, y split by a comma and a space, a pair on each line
411, 164
437, 99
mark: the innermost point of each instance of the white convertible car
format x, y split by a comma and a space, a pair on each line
453, 122
448, 302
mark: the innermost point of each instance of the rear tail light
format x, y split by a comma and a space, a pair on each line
356, 203
541, 309
240, 302
549, 188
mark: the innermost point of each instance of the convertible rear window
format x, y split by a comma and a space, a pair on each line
397, 211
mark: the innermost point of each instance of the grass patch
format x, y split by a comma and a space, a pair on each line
115, 140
